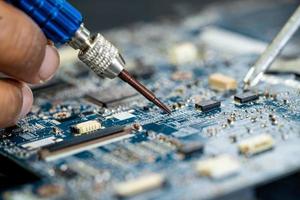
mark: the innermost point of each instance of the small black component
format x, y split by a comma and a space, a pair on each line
146, 108
51, 86
107, 99
88, 113
191, 149
246, 97
209, 105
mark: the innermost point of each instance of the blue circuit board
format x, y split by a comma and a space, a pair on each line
155, 140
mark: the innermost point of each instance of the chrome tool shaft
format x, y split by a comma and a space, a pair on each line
256, 72
104, 59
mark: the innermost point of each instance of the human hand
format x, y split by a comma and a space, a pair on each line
25, 57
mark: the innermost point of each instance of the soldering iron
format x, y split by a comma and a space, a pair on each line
62, 23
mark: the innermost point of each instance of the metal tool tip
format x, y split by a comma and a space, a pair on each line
125, 76
162, 106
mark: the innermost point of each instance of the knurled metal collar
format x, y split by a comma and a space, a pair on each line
99, 55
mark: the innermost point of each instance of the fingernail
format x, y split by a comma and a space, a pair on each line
49, 64
27, 101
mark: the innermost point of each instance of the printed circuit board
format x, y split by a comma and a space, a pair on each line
87, 138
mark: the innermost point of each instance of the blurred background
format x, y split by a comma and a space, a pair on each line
237, 14
111, 13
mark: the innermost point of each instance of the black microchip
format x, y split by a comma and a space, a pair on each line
88, 113
246, 97
209, 105
106, 98
191, 149
52, 86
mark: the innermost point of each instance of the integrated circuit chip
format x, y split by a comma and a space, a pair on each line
50, 87
209, 105
107, 98
221, 82
218, 167
139, 185
246, 97
256, 144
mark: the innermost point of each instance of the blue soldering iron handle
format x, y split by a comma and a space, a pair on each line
62, 23
58, 19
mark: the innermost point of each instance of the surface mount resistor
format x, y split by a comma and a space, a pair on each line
218, 167
221, 82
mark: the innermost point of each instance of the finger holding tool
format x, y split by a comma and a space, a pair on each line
62, 23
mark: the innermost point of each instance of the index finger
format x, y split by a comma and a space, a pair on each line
25, 54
